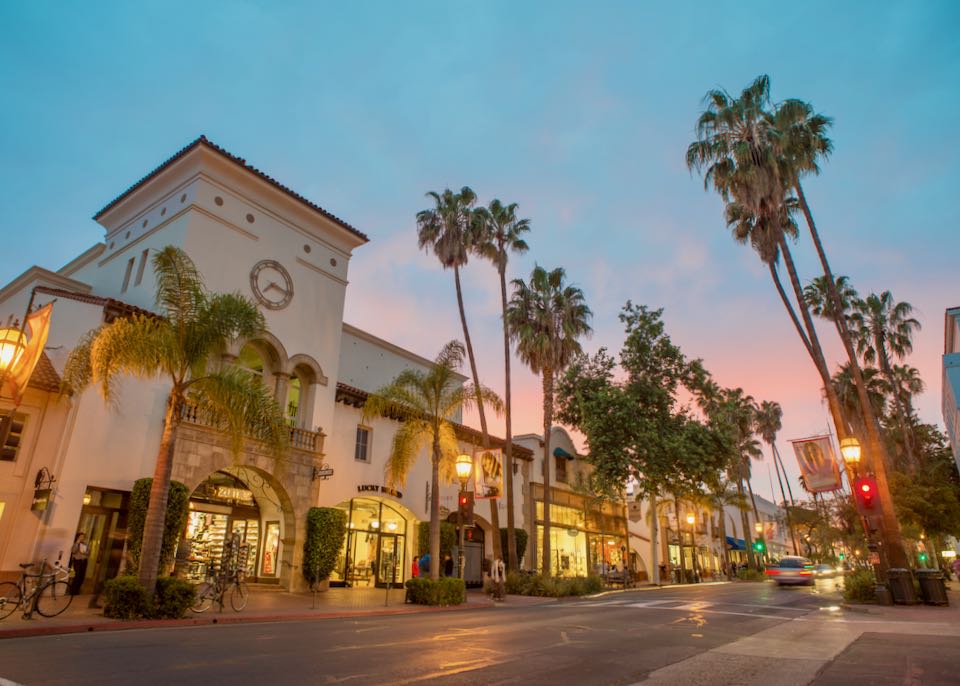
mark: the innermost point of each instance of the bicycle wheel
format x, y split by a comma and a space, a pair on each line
238, 596
54, 598
10, 597
204, 598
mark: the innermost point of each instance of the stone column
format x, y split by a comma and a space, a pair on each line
281, 388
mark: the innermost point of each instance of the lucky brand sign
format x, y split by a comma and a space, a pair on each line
817, 463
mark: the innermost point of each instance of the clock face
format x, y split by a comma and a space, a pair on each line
271, 284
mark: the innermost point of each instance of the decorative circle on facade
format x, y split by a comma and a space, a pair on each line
271, 284
183, 198
218, 200
250, 218
307, 249
127, 235
145, 222
333, 261
163, 211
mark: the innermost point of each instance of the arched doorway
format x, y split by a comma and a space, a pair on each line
473, 551
236, 501
377, 545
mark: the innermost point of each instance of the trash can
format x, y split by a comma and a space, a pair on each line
900, 582
883, 594
932, 587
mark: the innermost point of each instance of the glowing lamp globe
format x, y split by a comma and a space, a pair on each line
850, 449
691, 519
464, 465
12, 346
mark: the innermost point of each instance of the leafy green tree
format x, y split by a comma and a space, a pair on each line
500, 232
450, 230
632, 418
546, 318
194, 327
426, 404
326, 528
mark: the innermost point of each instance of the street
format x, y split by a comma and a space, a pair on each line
688, 633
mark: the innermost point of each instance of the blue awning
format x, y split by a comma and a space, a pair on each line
736, 543
560, 452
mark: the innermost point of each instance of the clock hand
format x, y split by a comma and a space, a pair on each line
274, 287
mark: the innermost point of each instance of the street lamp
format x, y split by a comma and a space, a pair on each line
12, 345
464, 465
850, 449
691, 519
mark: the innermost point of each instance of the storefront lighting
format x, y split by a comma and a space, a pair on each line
758, 527
850, 449
87, 498
691, 519
392, 526
375, 524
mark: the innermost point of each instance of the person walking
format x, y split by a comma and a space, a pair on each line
79, 554
498, 574
425, 565
415, 567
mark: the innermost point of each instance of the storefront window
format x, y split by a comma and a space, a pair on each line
374, 550
568, 551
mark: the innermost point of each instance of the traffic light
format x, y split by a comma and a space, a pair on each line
923, 556
466, 507
865, 491
759, 546
841, 556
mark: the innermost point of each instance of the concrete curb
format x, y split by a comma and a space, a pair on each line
221, 619
651, 587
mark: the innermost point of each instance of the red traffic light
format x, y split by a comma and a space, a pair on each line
865, 489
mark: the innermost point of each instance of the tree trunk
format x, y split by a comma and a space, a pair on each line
815, 348
435, 560
512, 562
547, 421
756, 516
723, 537
683, 562
156, 516
654, 528
789, 307
877, 451
745, 523
783, 497
494, 502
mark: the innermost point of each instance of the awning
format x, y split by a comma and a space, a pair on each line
736, 543
560, 452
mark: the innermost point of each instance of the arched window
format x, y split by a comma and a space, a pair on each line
250, 360
294, 398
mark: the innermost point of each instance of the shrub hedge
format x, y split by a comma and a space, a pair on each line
178, 502
525, 583
326, 527
125, 598
750, 574
442, 591
860, 587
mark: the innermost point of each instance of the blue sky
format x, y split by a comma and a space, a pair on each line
579, 112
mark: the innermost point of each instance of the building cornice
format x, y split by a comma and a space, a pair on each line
387, 345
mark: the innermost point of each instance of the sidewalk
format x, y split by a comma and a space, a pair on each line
262, 606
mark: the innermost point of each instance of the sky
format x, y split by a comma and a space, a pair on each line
579, 112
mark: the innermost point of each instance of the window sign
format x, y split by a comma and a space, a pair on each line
271, 549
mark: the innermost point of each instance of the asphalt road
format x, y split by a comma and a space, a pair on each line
617, 639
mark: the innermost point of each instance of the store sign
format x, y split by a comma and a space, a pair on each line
374, 488
232, 493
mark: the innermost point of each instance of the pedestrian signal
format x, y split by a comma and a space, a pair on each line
865, 491
466, 507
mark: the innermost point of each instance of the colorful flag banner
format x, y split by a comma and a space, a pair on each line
818, 464
488, 482
36, 331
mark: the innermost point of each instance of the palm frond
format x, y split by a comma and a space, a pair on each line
141, 346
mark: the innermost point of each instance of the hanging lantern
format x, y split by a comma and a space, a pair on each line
12, 345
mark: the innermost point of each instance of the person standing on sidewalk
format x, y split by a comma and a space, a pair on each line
79, 554
498, 574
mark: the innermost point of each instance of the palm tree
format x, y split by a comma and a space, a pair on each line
546, 318
449, 229
883, 328
907, 383
846, 388
768, 424
722, 493
804, 143
177, 347
738, 151
427, 403
817, 295
499, 233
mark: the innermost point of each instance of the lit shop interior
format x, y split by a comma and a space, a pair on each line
377, 545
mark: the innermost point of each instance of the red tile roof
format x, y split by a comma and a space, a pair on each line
111, 305
350, 395
45, 377
239, 161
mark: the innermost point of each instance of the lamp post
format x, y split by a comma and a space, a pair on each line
464, 466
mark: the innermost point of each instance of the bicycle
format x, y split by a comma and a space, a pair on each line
46, 592
216, 587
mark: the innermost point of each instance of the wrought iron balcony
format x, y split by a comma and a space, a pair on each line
300, 439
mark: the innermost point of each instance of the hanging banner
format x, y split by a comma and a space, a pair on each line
817, 463
36, 330
488, 482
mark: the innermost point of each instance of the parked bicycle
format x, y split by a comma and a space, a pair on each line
216, 587
46, 592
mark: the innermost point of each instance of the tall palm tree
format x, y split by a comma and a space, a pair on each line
177, 347
546, 318
738, 151
804, 143
449, 229
426, 403
769, 421
817, 295
500, 233
885, 328
846, 387
907, 383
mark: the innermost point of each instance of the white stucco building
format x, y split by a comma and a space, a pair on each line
246, 233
